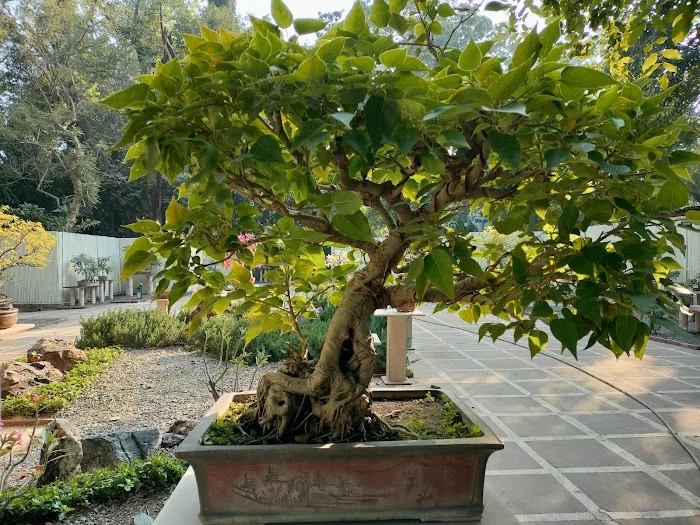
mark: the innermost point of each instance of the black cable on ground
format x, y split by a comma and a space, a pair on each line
611, 385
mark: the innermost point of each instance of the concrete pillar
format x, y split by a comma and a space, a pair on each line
396, 350
110, 283
130, 287
149, 284
103, 284
71, 297
81, 296
93, 294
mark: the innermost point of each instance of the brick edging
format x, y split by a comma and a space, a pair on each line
673, 342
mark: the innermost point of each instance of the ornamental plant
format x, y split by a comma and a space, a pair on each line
376, 116
22, 243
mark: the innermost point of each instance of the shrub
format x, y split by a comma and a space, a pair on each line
132, 328
58, 499
55, 396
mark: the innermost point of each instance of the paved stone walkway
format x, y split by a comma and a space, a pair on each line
577, 451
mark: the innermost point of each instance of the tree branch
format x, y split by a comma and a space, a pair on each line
466, 291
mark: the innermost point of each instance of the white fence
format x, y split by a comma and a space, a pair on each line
45, 286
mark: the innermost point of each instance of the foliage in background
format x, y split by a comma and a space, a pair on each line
57, 500
22, 243
131, 328
85, 265
53, 397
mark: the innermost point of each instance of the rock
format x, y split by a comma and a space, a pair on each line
61, 353
171, 440
64, 460
182, 427
121, 447
17, 377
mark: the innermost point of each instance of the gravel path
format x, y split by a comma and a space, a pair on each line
145, 388
151, 388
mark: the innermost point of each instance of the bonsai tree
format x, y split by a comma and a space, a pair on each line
22, 243
85, 266
103, 266
319, 135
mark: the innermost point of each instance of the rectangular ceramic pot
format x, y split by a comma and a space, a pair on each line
430, 480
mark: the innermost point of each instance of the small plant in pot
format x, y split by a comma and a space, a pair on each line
22, 243
86, 266
103, 268
320, 135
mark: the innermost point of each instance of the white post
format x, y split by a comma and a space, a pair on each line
130, 287
81, 296
149, 284
110, 283
93, 294
71, 296
396, 345
103, 284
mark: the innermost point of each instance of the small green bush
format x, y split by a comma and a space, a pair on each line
132, 328
58, 499
55, 396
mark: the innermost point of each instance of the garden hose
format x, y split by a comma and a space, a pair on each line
673, 433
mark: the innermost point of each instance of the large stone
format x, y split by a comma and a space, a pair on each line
61, 353
17, 377
121, 447
64, 460
171, 440
182, 426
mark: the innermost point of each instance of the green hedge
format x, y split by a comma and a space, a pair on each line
58, 499
131, 328
55, 396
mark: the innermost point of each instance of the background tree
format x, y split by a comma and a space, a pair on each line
321, 135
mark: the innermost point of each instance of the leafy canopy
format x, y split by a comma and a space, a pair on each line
561, 154
22, 243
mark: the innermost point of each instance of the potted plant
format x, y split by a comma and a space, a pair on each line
86, 266
103, 268
355, 126
22, 243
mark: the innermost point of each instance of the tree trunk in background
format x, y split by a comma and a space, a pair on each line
157, 190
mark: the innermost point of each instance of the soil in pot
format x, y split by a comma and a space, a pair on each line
431, 417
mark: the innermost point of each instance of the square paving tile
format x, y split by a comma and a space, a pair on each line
568, 372
655, 450
683, 420
688, 479
660, 384
555, 386
595, 386
651, 399
473, 376
687, 520
583, 403
605, 424
686, 360
525, 375
534, 494
441, 354
499, 364
513, 457
695, 381
540, 426
578, 453
512, 405
688, 398
628, 492
676, 371
493, 388
462, 363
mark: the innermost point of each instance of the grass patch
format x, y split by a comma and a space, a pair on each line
439, 418
55, 396
58, 499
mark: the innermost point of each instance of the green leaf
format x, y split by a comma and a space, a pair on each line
311, 70
304, 26
137, 261
508, 83
346, 202
600, 210
379, 14
355, 226
267, 149
210, 158
406, 137
331, 49
566, 333
555, 156
567, 221
381, 118
507, 147
511, 107
625, 331
470, 58
537, 341
589, 307
585, 77
151, 154
131, 97
672, 195
529, 46
176, 213
344, 117
641, 339
549, 36
144, 226
438, 268
444, 10
364, 64
281, 14
356, 21
455, 137
684, 159
396, 6
693, 216
414, 270
496, 6
393, 57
